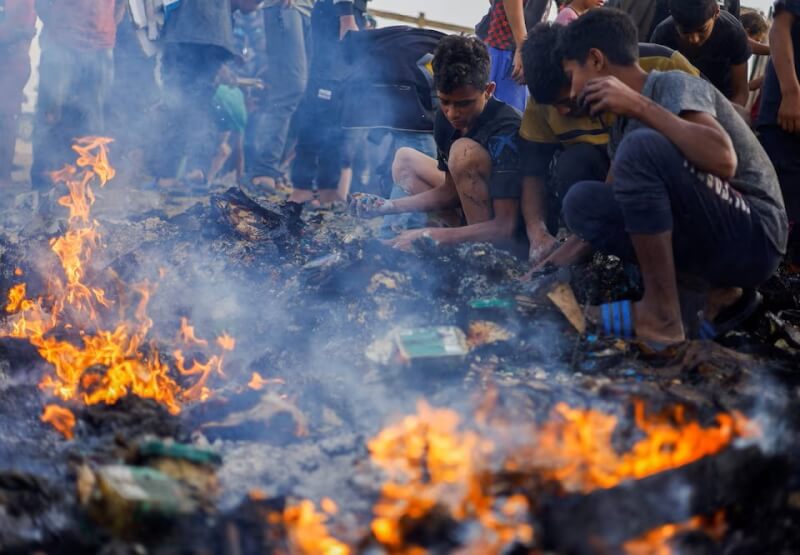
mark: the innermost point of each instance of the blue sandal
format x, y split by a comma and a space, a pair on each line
617, 319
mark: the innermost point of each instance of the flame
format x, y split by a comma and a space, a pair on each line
308, 533
61, 419
431, 463
258, 382
103, 359
575, 446
656, 541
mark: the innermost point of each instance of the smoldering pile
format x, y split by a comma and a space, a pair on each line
336, 335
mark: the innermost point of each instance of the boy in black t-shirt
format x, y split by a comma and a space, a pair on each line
779, 118
478, 166
713, 40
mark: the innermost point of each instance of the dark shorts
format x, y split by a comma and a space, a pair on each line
716, 236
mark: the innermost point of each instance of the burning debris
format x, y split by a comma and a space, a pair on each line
99, 345
372, 401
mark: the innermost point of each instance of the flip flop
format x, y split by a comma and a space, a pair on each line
617, 319
733, 316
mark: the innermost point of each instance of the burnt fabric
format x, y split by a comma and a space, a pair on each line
496, 131
716, 234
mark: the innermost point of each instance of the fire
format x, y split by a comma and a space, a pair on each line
308, 533
434, 467
431, 464
656, 542
575, 446
97, 356
258, 382
61, 419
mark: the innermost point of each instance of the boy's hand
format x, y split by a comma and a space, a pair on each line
406, 240
789, 113
609, 94
365, 205
518, 73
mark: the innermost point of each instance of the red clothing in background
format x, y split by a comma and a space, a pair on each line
500, 35
82, 24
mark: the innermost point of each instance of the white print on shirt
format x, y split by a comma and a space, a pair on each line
720, 187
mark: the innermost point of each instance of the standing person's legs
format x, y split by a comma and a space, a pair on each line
784, 150
97, 77
287, 77
508, 90
414, 170
187, 128
15, 71
306, 161
51, 138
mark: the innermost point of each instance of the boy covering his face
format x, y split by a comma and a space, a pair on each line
691, 190
713, 40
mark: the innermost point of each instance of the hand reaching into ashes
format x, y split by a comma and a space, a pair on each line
365, 205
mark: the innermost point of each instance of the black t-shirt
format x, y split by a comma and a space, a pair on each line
771, 92
727, 46
495, 130
390, 79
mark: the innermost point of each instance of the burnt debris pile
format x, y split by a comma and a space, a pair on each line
248, 378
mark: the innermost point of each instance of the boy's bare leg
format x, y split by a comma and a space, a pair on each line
471, 168
414, 172
657, 316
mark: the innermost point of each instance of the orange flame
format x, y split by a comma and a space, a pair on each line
115, 358
308, 532
258, 382
61, 419
575, 447
430, 462
656, 541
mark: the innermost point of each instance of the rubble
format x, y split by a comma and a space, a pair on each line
305, 296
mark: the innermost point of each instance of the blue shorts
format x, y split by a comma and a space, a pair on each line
508, 90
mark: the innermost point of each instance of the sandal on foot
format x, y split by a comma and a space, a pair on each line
616, 319
733, 316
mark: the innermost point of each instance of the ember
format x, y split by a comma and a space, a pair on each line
657, 542
61, 419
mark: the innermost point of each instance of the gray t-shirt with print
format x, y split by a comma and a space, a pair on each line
755, 176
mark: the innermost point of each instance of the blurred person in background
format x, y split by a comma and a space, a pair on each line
17, 29
321, 173
197, 40
287, 25
713, 40
779, 118
504, 30
575, 8
75, 76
